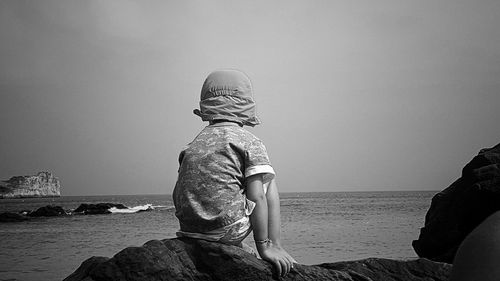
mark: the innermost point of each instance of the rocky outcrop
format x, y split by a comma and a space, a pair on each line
189, 259
83, 209
48, 211
44, 184
12, 217
461, 207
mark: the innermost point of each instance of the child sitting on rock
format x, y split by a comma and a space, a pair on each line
225, 186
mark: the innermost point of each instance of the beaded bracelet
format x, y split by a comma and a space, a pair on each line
265, 241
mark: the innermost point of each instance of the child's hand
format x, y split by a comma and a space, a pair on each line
277, 256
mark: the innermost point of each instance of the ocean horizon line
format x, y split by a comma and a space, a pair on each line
281, 192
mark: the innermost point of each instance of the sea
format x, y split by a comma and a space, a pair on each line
316, 228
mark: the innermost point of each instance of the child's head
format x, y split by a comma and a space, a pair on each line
227, 95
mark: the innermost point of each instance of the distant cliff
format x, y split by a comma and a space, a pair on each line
44, 184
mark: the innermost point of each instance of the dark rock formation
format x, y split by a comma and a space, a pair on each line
12, 217
188, 259
96, 209
44, 184
386, 269
52, 211
48, 211
458, 209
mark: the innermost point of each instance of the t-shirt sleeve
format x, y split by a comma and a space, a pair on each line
181, 157
257, 162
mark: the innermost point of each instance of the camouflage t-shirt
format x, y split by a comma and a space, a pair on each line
209, 193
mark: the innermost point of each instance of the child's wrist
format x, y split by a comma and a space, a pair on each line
263, 241
263, 244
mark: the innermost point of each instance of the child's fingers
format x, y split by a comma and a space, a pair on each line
288, 261
285, 267
291, 259
277, 265
289, 266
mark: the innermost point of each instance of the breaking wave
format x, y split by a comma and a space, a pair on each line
140, 208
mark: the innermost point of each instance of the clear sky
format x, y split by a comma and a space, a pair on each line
353, 95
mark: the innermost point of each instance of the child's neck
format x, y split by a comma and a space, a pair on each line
224, 122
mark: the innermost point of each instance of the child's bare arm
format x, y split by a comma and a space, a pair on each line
274, 216
273, 209
259, 218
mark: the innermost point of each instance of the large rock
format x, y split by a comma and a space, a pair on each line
48, 211
43, 184
53, 210
458, 209
12, 217
189, 259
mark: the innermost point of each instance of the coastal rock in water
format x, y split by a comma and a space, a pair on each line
12, 217
44, 184
96, 209
52, 211
461, 207
190, 259
48, 211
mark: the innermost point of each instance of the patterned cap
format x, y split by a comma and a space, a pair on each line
227, 95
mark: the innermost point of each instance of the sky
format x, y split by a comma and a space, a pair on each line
353, 95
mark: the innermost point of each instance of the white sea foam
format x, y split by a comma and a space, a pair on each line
147, 207
162, 206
